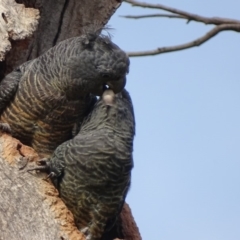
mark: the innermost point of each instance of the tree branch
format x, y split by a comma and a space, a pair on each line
154, 15
222, 24
195, 43
189, 16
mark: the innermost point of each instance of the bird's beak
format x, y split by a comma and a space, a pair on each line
108, 97
117, 86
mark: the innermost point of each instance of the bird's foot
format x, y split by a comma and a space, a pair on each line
42, 167
42, 161
89, 237
84, 230
5, 128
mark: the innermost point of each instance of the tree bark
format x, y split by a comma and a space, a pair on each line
29, 205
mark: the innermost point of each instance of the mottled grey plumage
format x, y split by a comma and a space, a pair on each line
92, 171
56, 90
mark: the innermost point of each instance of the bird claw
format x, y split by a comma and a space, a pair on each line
5, 128
42, 166
84, 230
42, 161
89, 237
51, 175
39, 168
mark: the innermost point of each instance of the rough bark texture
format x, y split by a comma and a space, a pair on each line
29, 206
16, 23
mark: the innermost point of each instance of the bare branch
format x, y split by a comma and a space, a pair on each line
195, 43
222, 24
154, 15
189, 16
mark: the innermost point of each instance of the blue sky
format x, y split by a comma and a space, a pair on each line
186, 179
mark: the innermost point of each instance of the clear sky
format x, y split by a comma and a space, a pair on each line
186, 179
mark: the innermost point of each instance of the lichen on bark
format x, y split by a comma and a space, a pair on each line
16, 23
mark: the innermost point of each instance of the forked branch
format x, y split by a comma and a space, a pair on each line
222, 24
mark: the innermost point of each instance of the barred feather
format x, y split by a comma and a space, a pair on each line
93, 170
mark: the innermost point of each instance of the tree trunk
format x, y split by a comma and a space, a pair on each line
29, 205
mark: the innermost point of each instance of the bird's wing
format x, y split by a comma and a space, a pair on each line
9, 85
8, 88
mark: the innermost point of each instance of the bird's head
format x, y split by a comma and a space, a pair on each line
112, 111
98, 64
